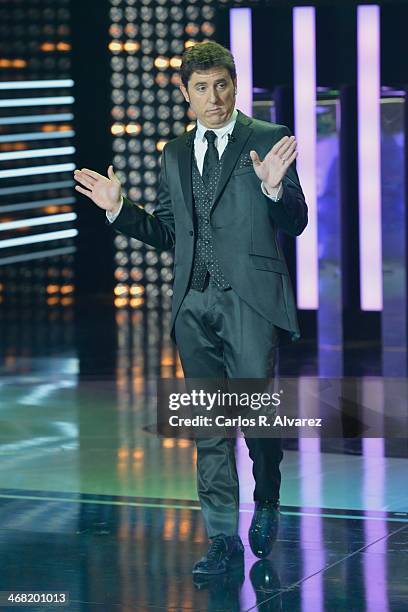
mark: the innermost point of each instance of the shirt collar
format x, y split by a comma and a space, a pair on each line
222, 131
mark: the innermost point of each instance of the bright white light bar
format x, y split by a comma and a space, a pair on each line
23, 240
36, 136
36, 187
5, 261
36, 204
304, 48
36, 118
46, 101
36, 84
241, 49
49, 152
36, 170
369, 156
63, 218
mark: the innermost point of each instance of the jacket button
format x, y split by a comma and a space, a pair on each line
191, 233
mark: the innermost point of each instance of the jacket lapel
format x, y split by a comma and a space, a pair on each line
185, 154
239, 136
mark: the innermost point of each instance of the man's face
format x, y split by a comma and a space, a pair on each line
211, 95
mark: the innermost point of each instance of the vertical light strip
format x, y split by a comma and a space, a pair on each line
311, 527
304, 78
369, 156
241, 49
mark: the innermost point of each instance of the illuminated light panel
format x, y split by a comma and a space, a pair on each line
23, 240
37, 170
241, 49
10, 225
49, 152
37, 84
304, 50
54, 202
45, 101
36, 136
36, 119
5, 261
369, 156
36, 187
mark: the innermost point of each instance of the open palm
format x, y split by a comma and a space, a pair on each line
104, 192
276, 162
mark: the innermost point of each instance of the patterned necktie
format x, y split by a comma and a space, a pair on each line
211, 157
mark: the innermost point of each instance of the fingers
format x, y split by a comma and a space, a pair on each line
255, 158
91, 173
84, 191
287, 152
284, 142
112, 175
291, 159
84, 179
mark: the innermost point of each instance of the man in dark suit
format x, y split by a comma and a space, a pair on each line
226, 188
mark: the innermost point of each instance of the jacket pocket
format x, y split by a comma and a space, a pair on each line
244, 170
271, 264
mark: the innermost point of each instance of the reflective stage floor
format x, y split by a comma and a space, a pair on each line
95, 504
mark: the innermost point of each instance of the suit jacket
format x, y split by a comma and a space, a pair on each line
244, 221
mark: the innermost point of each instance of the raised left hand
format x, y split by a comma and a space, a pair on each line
276, 162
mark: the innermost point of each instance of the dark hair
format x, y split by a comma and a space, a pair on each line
203, 56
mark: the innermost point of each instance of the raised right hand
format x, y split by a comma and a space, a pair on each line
105, 192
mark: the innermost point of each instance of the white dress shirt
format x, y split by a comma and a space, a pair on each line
200, 148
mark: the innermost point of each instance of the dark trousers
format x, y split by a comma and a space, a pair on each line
219, 336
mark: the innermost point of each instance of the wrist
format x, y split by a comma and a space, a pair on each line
271, 189
117, 207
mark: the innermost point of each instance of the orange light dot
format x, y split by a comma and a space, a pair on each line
175, 62
121, 290
63, 46
67, 289
117, 128
52, 301
115, 46
136, 302
52, 289
161, 62
131, 47
133, 128
121, 302
160, 144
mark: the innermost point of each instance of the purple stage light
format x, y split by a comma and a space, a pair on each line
369, 156
304, 62
241, 49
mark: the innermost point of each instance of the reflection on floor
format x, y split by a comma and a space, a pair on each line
137, 555
93, 503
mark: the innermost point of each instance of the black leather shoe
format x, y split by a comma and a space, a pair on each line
264, 528
224, 552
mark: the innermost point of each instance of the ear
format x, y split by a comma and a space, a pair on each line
185, 93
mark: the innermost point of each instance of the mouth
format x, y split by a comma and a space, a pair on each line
214, 110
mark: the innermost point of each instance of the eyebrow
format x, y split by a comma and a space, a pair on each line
223, 79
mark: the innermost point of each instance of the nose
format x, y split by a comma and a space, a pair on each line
213, 95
